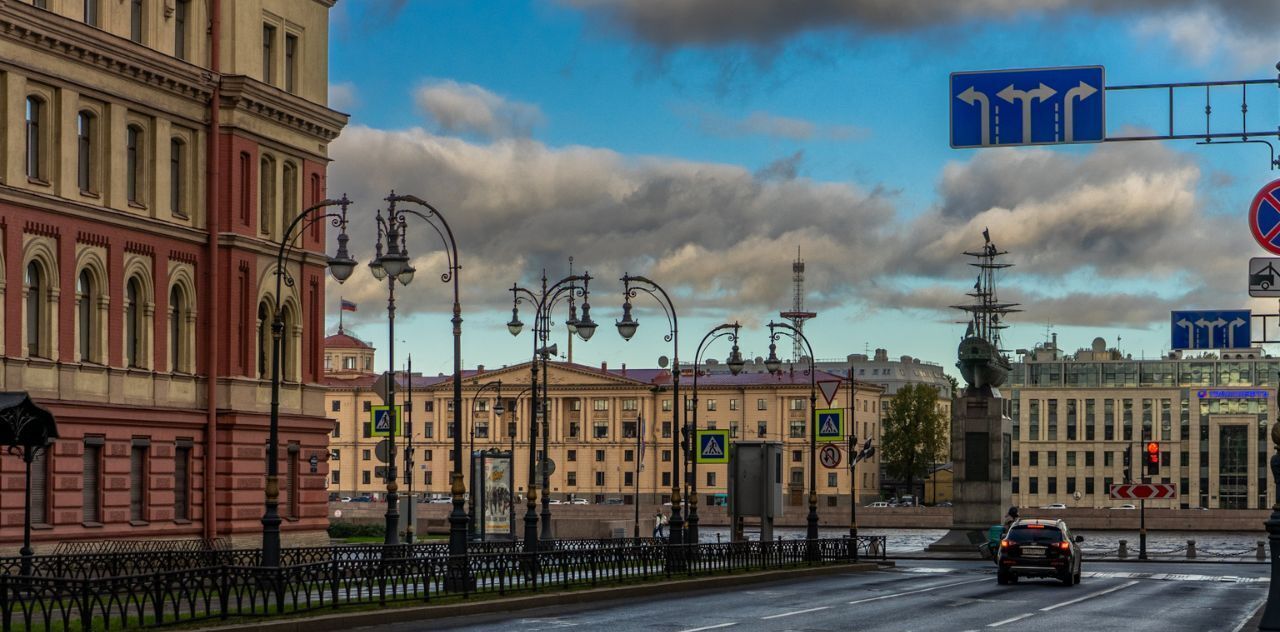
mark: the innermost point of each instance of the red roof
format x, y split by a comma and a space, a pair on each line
344, 341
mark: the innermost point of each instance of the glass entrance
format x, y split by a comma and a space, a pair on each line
1233, 467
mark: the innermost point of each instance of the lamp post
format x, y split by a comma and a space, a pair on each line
498, 409
26, 430
735, 362
542, 303
627, 328
341, 265
774, 365
392, 263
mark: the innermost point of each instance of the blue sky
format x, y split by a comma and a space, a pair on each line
700, 142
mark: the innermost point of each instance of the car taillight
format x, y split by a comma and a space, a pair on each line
1004, 544
1064, 545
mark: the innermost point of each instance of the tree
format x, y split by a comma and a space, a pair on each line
915, 434
955, 385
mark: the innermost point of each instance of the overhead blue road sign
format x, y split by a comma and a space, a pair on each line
1220, 329
1028, 107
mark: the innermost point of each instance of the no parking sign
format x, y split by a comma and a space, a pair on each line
1264, 217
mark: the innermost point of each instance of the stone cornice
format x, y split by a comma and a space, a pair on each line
62, 206
38, 28
280, 107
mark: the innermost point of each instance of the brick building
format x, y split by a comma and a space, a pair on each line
154, 152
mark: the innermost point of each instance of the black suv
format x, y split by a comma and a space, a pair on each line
1039, 548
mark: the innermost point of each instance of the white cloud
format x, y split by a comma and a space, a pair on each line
343, 96
470, 109
760, 123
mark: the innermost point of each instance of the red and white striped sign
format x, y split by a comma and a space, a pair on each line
1144, 491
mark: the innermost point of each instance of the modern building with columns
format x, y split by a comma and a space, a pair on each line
598, 442
1076, 415
153, 153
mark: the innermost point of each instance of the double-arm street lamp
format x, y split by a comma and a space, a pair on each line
341, 266
584, 327
627, 328
392, 263
498, 408
774, 365
735, 363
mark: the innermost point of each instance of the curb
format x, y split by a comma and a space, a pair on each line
1091, 560
393, 614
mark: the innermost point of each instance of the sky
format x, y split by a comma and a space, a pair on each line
700, 143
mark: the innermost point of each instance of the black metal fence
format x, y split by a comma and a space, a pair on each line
138, 590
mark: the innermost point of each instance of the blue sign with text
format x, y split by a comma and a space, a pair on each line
1211, 329
1028, 107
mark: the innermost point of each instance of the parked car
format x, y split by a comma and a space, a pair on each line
879, 503
1124, 506
1036, 547
613, 501
344, 499
577, 501
440, 500
945, 503
1054, 506
556, 501
362, 499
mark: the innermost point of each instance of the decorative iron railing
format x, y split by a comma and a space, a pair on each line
95, 594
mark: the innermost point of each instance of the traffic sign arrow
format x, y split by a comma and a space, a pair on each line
1144, 491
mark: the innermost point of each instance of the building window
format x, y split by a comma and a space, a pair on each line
600, 404
575, 430
666, 456
181, 15
138, 482
264, 339
180, 356
135, 20
290, 193
797, 403
599, 456
762, 428
335, 477
86, 130
429, 428
482, 430
266, 194
133, 164
666, 430
666, 405
335, 406
666, 479
711, 405
366, 406
268, 53
601, 430
572, 479
182, 482
760, 405
427, 455
711, 479
86, 308
628, 479
629, 429
364, 477
291, 484
91, 499
337, 432
91, 12
36, 113
177, 177
575, 405
133, 324
628, 455
832, 479
290, 64
733, 404
797, 429
599, 479
40, 488
629, 404
37, 288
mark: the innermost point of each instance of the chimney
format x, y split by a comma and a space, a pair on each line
480, 369
604, 366
624, 368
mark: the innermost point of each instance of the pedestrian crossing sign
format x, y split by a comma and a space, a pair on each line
383, 421
830, 424
713, 446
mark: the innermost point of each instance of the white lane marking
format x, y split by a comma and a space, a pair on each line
1089, 596
1017, 618
913, 592
787, 614
1177, 577
928, 570
710, 627
1249, 615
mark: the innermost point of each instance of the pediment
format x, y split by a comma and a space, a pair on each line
560, 374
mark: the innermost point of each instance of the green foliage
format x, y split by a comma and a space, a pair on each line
915, 433
351, 530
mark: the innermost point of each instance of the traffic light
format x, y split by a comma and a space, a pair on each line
1153, 458
1128, 457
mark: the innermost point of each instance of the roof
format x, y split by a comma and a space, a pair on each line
342, 340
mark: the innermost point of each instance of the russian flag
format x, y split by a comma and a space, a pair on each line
348, 306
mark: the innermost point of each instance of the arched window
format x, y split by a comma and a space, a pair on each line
133, 323
264, 340
290, 196
266, 195
36, 290
35, 138
133, 164
177, 330
86, 307
177, 177
86, 129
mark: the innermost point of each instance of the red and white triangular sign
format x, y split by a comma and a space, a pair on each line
829, 389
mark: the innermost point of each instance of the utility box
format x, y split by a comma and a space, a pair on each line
755, 484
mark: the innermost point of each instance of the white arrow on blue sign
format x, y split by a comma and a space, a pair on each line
1211, 329
1045, 106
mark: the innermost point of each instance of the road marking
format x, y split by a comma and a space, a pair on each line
1088, 596
710, 627
913, 592
787, 614
1017, 618
1249, 615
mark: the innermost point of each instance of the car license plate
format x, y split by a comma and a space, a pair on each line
1033, 551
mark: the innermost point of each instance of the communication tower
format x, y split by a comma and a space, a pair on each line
798, 315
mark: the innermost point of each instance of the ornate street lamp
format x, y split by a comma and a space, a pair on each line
341, 265
26, 430
543, 302
626, 328
774, 365
735, 362
392, 263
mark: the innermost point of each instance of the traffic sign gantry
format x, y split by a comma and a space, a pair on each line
1028, 107
1211, 329
829, 455
1264, 217
1144, 491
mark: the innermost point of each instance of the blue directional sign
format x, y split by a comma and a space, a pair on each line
1211, 329
1028, 107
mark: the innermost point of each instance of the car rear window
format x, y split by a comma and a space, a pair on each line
1034, 534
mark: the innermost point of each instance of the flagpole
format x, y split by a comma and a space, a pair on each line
340, 314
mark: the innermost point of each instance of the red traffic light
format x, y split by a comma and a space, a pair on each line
1153, 451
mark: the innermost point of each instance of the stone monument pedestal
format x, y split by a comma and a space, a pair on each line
981, 449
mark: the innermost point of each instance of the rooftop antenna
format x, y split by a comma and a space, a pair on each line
797, 315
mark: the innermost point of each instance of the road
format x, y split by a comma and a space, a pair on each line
920, 596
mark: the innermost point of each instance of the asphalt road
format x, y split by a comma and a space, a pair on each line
927, 595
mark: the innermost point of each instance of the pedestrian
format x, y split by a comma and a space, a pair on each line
659, 525
1009, 518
